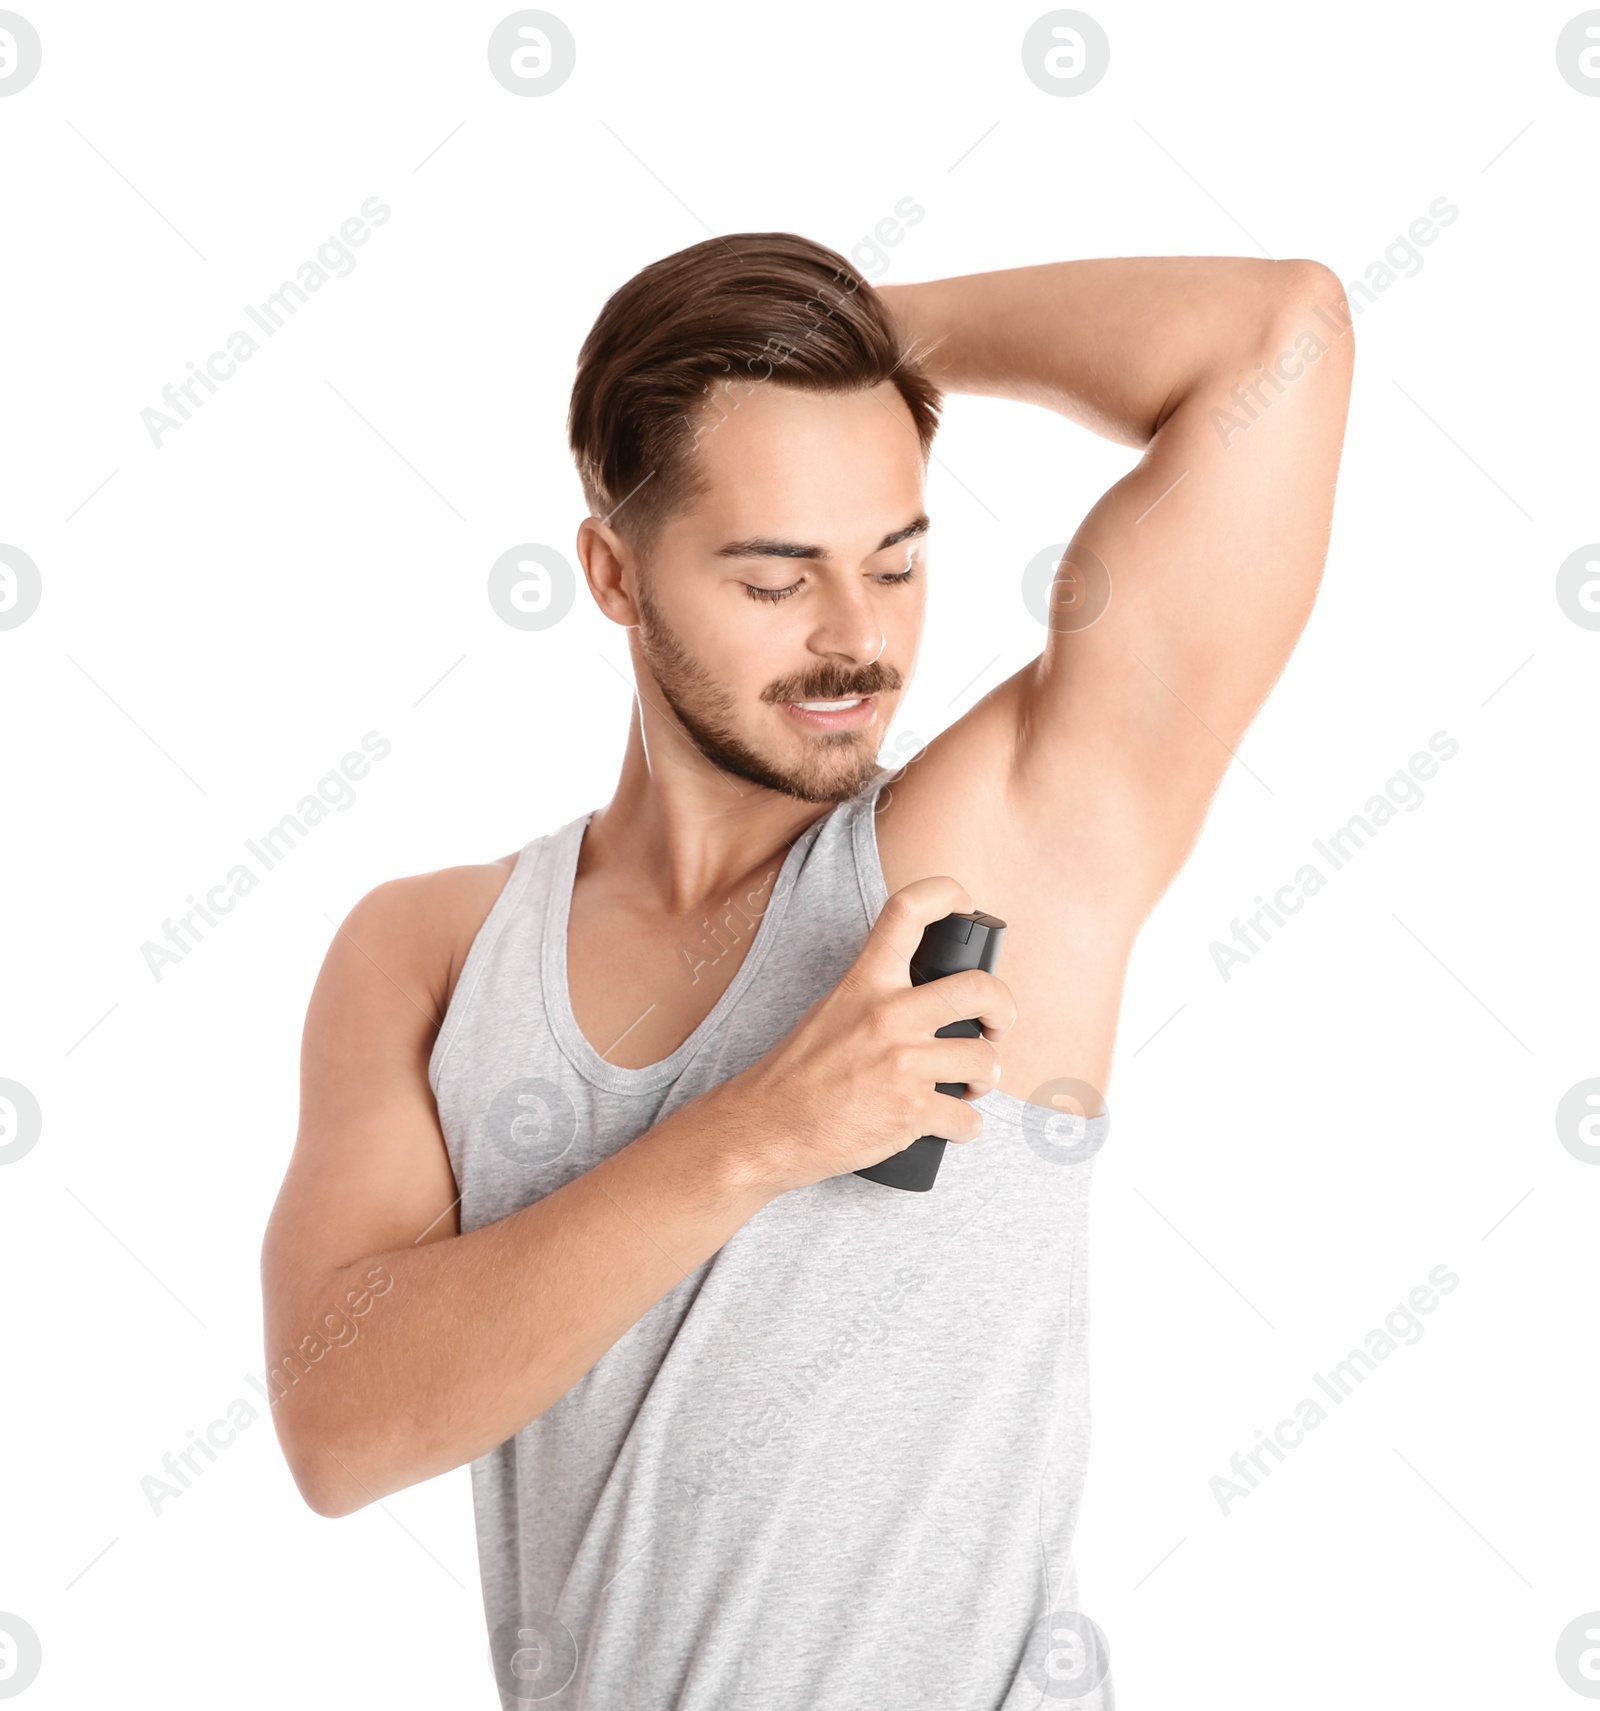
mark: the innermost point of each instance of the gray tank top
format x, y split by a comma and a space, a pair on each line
839, 1465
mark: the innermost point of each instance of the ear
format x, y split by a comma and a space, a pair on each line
611, 569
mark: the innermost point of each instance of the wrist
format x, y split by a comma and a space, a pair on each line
743, 1146
925, 329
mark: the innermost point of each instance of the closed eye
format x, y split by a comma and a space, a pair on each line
773, 595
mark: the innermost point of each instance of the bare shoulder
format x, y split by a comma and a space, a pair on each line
965, 805
370, 1167
416, 931
1087, 818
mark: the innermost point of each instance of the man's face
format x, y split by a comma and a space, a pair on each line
787, 585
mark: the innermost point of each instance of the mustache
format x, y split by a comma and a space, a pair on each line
836, 685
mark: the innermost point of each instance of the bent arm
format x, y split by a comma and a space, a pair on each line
1115, 344
402, 1348
1182, 593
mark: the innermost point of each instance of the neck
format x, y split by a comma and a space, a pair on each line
679, 833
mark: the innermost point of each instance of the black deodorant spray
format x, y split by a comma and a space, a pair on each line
956, 943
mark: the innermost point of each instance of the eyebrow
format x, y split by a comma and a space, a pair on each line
766, 546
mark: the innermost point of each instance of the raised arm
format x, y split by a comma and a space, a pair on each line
1233, 375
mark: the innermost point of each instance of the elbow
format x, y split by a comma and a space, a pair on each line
320, 1468
1310, 308
325, 1498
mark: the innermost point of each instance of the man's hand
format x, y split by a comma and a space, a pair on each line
853, 1082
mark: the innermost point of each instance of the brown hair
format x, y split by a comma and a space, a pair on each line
753, 307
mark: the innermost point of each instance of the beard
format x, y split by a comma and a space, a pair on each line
835, 765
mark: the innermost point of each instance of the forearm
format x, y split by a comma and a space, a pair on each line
481, 1333
1115, 344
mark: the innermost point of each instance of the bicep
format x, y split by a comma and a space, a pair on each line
1182, 595
369, 1172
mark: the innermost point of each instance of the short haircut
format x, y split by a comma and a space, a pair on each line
741, 310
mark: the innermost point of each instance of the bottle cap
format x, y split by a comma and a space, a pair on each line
956, 943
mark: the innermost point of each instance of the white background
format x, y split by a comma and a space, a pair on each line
1370, 1097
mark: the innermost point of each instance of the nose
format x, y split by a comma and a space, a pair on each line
847, 627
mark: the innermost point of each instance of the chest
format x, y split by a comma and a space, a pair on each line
640, 983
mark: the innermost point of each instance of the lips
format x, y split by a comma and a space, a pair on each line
827, 715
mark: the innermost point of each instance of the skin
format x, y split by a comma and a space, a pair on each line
1084, 781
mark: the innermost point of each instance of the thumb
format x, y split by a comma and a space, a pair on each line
885, 959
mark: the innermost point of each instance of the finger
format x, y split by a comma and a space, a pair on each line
974, 1062
974, 995
885, 959
951, 1119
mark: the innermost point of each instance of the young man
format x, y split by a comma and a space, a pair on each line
748, 1429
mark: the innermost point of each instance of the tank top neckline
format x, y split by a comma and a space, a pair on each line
562, 853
